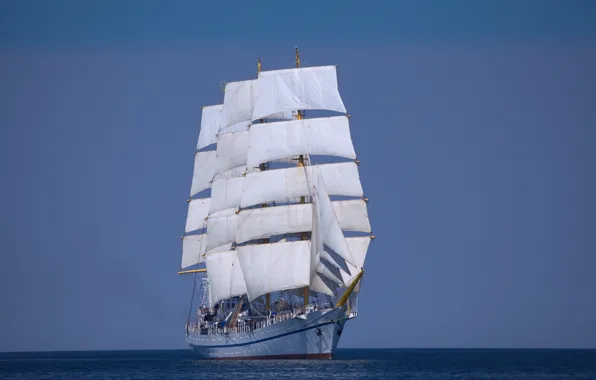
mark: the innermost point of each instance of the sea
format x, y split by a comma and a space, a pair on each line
432, 364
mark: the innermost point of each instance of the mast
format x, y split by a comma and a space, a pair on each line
263, 167
303, 236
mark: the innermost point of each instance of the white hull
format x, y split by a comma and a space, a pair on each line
316, 336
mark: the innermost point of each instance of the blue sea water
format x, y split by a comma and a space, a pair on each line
439, 364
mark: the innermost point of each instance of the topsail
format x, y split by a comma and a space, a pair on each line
311, 88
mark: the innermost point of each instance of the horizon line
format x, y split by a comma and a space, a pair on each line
339, 349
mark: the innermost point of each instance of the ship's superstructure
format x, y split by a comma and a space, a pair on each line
278, 218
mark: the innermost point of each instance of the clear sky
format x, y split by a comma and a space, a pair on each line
475, 122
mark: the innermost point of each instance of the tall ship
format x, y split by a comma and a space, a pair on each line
277, 228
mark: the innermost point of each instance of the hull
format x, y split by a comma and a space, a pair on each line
315, 336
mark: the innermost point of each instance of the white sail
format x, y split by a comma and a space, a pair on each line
211, 123
333, 237
232, 173
198, 209
226, 193
232, 149
285, 184
226, 188
318, 285
282, 185
204, 170
297, 89
331, 260
264, 222
320, 136
239, 103
272, 267
319, 270
221, 228
225, 275
194, 247
352, 215
322, 270
358, 247
316, 239
238, 127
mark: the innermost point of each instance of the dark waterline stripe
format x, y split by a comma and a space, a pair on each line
297, 356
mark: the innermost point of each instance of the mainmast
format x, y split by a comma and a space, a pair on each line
303, 236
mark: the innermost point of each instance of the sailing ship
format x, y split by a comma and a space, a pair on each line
277, 228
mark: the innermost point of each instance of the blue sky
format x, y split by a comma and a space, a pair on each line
130, 22
474, 121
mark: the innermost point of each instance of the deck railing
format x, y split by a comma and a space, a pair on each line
244, 326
